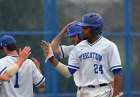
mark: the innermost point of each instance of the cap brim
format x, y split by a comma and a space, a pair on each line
83, 24
69, 35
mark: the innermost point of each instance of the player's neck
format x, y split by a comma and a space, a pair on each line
13, 53
93, 38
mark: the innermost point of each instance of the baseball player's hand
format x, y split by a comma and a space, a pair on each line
119, 95
46, 49
23, 55
36, 63
4, 77
64, 30
71, 23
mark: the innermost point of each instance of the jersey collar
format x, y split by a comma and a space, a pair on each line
95, 41
12, 55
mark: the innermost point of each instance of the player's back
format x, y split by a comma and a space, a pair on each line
21, 84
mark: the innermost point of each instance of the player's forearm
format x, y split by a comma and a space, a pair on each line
55, 43
42, 86
117, 85
61, 68
55, 47
13, 69
41, 90
19, 62
54, 61
59, 37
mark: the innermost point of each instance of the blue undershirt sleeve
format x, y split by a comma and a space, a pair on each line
118, 71
72, 71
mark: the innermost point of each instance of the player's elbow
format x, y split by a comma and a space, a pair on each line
42, 85
67, 76
41, 88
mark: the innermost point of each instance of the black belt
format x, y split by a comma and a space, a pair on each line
92, 86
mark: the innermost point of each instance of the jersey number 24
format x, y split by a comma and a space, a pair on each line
98, 69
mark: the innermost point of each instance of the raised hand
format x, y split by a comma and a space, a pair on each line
46, 49
23, 55
36, 63
71, 23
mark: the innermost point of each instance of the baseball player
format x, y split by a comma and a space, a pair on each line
13, 69
21, 84
10, 71
75, 35
96, 58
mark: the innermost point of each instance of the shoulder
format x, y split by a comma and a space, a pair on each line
28, 61
2, 60
6, 57
64, 46
108, 42
81, 44
110, 45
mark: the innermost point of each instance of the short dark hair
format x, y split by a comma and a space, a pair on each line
11, 47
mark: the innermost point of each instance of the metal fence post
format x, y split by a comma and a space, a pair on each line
127, 48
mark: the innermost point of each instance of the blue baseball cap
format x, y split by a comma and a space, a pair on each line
7, 40
74, 29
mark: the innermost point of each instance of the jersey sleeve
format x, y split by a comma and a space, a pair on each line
65, 51
38, 78
73, 62
3, 68
114, 57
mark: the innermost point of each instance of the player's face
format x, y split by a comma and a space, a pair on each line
86, 31
74, 39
